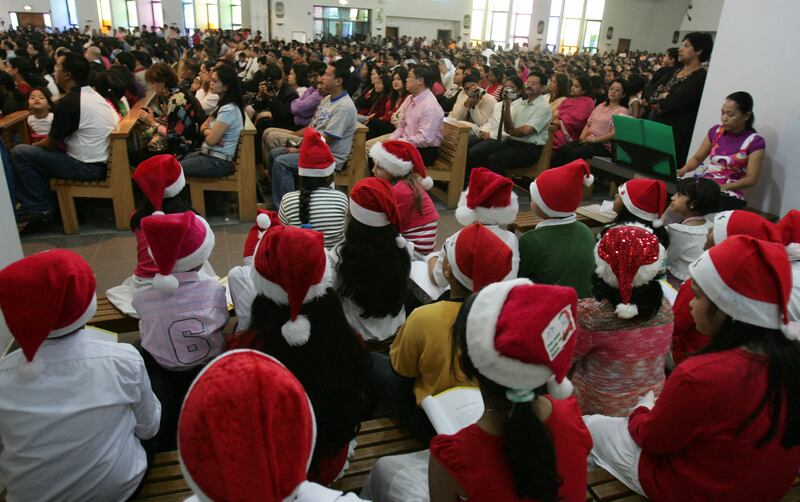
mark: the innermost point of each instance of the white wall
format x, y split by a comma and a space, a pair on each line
10, 248
649, 24
705, 16
772, 82
415, 27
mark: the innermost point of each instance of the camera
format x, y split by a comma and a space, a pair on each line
477, 92
509, 93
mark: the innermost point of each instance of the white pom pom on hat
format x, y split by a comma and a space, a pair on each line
166, 283
263, 221
296, 332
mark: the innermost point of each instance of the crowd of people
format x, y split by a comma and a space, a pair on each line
581, 359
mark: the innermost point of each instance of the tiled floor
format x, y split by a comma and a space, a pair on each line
112, 254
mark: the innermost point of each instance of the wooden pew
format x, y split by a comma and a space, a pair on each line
14, 124
242, 181
527, 220
543, 164
117, 185
110, 318
164, 481
356, 167
451, 163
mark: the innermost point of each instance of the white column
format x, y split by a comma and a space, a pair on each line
10, 248
258, 17
760, 61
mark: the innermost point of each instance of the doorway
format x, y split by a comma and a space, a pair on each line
392, 32
444, 36
624, 45
33, 19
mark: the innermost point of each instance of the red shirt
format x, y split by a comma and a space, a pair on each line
477, 460
686, 339
692, 449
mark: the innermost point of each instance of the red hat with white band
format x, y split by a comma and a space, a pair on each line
558, 191
478, 257
372, 203
644, 198
489, 199
399, 158
160, 177
316, 159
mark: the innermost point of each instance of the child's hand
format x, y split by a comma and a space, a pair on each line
648, 400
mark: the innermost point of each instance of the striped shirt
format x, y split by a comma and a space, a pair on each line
327, 213
600, 122
423, 237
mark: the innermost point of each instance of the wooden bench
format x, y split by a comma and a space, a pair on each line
164, 481
451, 164
527, 220
241, 182
117, 185
356, 167
110, 318
543, 164
14, 128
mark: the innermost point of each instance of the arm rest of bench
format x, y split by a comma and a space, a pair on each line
13, 119
126, 125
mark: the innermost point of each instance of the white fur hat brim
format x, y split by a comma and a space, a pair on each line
388, 162
486, 215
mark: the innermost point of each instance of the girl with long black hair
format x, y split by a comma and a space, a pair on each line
298, 319
727, 422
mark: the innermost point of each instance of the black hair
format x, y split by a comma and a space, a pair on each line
143, 58
635, 84
192, 65
537, 73
25, 68
373, 271
469, 79
341, 69
562, 86
497, 71
744, 102
517, 81
273, 72
47, 96
127, 59
701, 42
170, 205
585, 83
672, 52
624, 216
704, 194
287, 63
401, 94
316, 67
647, 298
424, 73
625, 92
394, 55
307, 184
301, 75
332, 365
77, 66
783, 376
436, 77
527, 443
233, 94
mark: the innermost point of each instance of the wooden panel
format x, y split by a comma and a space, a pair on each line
598, 476
163, 488
611, 490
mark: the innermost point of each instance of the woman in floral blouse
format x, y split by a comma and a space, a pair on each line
171, 121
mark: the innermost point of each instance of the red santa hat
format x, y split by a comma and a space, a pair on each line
265, 220
522, 335
740, 222
478, 257
558, 191
372, 203
750, 280
399, 158
46, 295
177, 242
644, 198
628, 256
789, 229
160, 177
290, 267
316, 159
489, 199
234, 446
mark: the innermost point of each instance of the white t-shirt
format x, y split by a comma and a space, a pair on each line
42, 125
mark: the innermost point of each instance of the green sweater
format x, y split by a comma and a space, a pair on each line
559, 254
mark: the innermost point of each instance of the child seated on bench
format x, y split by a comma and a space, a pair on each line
474, 258
181, 313
642, 201
247, 433
491, 201
516, 339
41, 118
626, 329
73, 408
400, 163
317, 205
298, 318
723, 427
560, 250
373, 263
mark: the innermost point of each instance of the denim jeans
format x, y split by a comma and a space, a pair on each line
284, 169
205, 166
33, 168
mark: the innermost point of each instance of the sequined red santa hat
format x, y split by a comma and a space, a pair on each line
628, 256
290, 267
645, 198
46, 295
489, 199
372, 203
264, 221
160, 177
399, 158
558, 191
246, 430
178, 242
522, 335
316, 159
478, 257
750, 280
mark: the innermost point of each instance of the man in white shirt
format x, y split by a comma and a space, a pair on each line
526, 121
73, 408
474, 105
82, 121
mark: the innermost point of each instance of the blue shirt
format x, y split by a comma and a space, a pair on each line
229, 114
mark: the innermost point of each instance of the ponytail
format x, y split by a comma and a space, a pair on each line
531, 454
307, 186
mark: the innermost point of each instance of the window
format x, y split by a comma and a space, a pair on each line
188, 15
212, 10
340, 21
47, 20
104, 7
236, 14
133, 17
72, 13
504, 22
14, 20
158, 14
574, 25
523, 12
